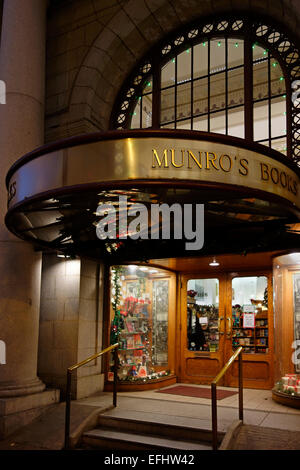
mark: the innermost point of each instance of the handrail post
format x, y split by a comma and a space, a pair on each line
214, 416
237, 354
68, 410
115, 354
241, 410
69, 380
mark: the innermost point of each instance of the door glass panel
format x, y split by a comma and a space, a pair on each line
203, 315
250, 314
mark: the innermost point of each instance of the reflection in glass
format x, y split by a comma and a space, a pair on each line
250, 314
202, 315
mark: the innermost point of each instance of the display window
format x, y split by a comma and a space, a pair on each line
140, 305
286, 272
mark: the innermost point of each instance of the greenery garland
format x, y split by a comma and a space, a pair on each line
117, 324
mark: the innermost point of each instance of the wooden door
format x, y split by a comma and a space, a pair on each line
249, 323
202, 316
200, 364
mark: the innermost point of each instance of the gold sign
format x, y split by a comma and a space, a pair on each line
154, 159
261, 169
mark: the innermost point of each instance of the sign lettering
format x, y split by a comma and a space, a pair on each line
203, 160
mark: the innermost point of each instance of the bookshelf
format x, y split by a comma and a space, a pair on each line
209, 313
135, 342
253, 340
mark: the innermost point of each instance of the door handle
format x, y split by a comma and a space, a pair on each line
219, 325
229, 327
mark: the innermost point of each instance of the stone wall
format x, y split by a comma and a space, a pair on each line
70, 323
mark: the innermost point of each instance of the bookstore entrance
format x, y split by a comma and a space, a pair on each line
220, 312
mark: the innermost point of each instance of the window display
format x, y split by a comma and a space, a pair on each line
203, 314
140, 309
250, 314
296, 285
286, 274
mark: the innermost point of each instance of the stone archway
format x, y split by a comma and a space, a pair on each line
112, 44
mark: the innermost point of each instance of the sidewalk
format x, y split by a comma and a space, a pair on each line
47, 432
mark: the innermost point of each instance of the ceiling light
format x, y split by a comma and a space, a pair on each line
214, 263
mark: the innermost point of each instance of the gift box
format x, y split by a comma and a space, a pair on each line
290, 379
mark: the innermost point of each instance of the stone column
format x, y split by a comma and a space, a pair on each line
22, 68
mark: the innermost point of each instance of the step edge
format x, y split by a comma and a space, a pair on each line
154, 423
168, 443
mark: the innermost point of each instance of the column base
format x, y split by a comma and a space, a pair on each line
13, 389
19, 411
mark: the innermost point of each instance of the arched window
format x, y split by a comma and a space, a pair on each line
236, 77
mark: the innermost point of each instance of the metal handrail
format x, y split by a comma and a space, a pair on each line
237, 353
113, 348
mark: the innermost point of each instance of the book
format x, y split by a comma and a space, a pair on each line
129, 326
138, 340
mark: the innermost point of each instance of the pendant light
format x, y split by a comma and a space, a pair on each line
214, 262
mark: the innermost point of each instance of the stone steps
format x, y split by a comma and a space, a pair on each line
130, 430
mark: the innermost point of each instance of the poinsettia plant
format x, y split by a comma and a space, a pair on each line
191, 293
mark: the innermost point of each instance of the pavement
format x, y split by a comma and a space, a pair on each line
47, 431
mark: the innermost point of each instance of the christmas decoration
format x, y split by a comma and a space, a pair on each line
117, 324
